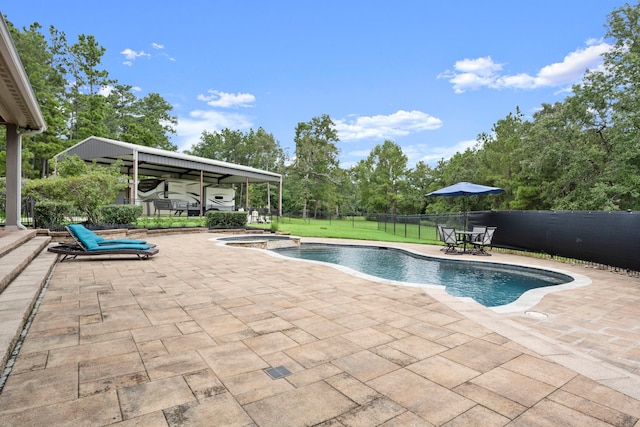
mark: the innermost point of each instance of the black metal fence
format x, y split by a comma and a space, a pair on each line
28, 204
606, 238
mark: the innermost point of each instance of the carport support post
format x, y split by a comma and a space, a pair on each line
13, 170
280, 199
203, 197
246, 203
134, 193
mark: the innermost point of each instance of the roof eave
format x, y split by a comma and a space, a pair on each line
18, 104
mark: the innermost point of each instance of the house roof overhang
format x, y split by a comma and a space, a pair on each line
18, 104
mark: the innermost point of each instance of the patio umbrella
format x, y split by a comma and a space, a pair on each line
464, 189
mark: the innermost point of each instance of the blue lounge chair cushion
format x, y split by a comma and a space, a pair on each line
78, 229
88, 240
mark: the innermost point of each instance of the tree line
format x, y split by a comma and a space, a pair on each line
582, 153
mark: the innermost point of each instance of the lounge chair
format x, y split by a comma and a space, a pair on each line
85, 244
486, 240
78, 231
450, 238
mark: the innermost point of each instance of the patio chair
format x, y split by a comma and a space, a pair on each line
76, 231
486, 240
440, 235
85, 244
450, 238
478, 233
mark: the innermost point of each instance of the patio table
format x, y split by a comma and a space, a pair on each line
467, 237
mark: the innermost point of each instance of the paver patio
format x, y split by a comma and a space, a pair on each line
184, 338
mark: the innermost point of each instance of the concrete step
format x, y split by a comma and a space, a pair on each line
14, 261
29, 265
9, 240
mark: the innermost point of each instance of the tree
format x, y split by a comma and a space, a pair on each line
314, 168
42, 62
257, 149
87, 79
153, 123
419, 180
382, 178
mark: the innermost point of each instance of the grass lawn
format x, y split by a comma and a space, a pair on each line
348, 228
354, 228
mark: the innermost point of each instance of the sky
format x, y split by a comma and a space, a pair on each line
428, 75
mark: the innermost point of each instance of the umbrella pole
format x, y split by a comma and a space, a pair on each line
464, 209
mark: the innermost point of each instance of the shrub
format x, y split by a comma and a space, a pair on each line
120, 214
47, 214
221, 219
88, 187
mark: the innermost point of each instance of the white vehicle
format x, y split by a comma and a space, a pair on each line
185, 194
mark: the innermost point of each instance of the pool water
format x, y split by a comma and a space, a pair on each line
490, 284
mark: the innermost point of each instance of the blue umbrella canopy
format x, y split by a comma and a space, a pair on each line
465, 189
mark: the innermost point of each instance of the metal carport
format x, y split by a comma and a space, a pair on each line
140, 160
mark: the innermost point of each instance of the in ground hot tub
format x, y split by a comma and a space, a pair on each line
261, 241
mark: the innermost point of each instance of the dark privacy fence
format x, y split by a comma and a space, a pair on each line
609, 238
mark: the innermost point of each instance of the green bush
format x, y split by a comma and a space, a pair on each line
120, 214
47, 214
221, 219
87, 187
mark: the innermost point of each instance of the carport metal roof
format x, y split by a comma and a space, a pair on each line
140, 160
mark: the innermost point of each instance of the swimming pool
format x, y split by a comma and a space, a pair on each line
490, 284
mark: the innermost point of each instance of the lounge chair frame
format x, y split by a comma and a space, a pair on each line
71, 251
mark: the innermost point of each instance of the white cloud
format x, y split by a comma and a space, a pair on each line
472, 74
432, 155
157, 46
190, 128
574, 65
220, 99
170, 58
479, 66
131, 55
382, 127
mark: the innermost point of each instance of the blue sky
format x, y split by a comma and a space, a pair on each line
427, 75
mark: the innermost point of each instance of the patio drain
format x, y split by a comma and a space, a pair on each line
277, 372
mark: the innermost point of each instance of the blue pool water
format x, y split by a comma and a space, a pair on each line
490, 284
